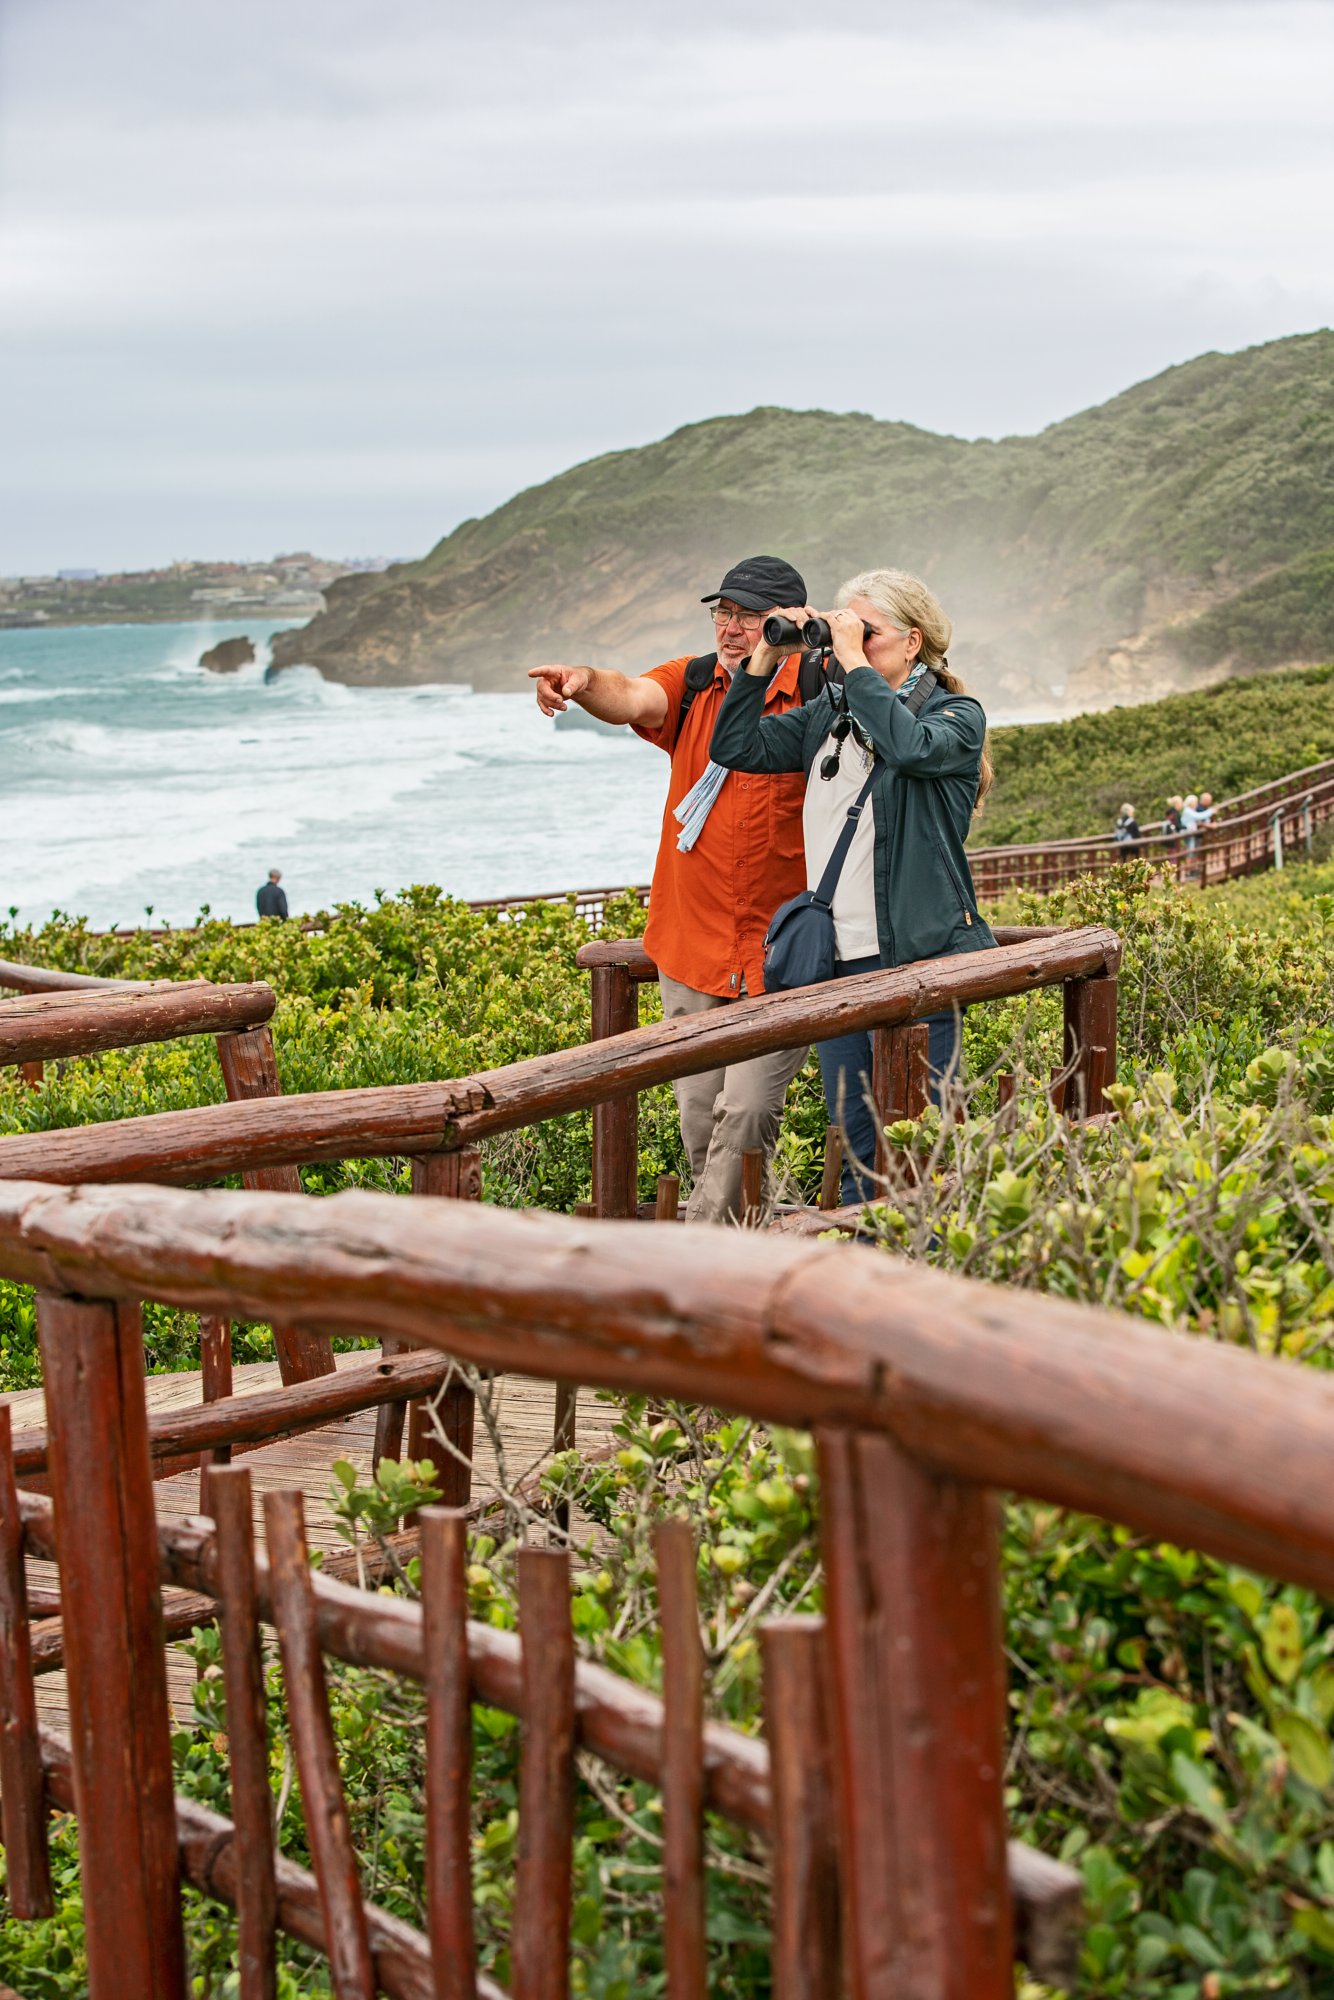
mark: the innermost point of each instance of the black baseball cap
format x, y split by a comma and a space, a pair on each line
759, 583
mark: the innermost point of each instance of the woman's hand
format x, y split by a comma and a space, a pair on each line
848, 634
558, 686
765, 657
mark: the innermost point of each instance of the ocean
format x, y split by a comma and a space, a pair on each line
137, 784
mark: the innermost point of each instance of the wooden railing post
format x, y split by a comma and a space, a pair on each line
616, 1124
900, 1079
684, 1940
22, 1799
807, 1942
250, 1069
215, 1361
455, 1177
120, 1725
912, 1574
1090, 1045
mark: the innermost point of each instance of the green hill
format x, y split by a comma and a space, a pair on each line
1097, 561
1060, 779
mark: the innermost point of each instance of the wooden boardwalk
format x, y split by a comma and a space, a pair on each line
526, 1411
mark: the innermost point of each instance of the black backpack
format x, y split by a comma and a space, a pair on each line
700, 673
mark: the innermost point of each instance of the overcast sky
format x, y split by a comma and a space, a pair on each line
276, 275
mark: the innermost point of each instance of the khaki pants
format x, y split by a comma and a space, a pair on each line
726, 1112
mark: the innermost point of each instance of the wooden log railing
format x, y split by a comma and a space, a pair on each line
619, 967
263, 1136
61, 1015
208, 1142
927, 1396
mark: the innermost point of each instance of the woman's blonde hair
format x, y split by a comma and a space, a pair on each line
907, 603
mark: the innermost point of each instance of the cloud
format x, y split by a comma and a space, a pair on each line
352, 275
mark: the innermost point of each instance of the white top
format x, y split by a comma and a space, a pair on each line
822, 817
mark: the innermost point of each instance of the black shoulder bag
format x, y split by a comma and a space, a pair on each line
799, 943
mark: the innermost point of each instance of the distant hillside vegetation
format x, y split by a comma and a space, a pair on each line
1099, 561
1057, 780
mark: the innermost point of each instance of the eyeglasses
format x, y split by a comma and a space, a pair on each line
723, 614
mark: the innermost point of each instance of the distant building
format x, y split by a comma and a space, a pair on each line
77, 575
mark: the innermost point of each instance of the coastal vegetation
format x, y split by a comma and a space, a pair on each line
1098, 560
1060, 780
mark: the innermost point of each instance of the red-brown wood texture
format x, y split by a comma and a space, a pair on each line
1090, 1044
444, 1543
267, 1413
392, 1419
540, 1943
22, 1799
1086, 1408
215, 1361
912, 1585
45, 1026
208, 1858
250, 1070
48, 979
442, 1431
247, 1734
807, 1934
900, 1080
667, 1203
325, 1809
615, 1123
413, 1118
682, 1764
102, 1492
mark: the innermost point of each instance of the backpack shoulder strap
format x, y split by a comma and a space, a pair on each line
922, 693
811, 678
699, 675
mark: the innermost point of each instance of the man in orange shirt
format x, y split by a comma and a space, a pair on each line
731, 852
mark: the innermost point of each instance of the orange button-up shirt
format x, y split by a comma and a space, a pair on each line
709, 909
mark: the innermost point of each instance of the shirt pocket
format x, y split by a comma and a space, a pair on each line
787, 796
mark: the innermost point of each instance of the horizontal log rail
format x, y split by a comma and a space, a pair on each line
269, 1414
41, 1027
50, 979
1209, 1446
211, 1141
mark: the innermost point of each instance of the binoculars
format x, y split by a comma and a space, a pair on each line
815, 634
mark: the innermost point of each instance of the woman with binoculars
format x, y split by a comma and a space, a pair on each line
895, 727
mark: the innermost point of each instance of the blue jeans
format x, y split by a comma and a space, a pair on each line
845, 1067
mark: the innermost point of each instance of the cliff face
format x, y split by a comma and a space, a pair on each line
1183, 531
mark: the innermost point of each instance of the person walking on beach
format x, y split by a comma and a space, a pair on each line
730, 853
270, 900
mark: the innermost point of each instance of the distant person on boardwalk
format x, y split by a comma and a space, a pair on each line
1126, 832
894, 726
271, 901
1195, 813
730, 853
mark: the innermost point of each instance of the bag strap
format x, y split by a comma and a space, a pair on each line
824, 895
700, 674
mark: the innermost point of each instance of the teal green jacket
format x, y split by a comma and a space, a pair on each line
922, 800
